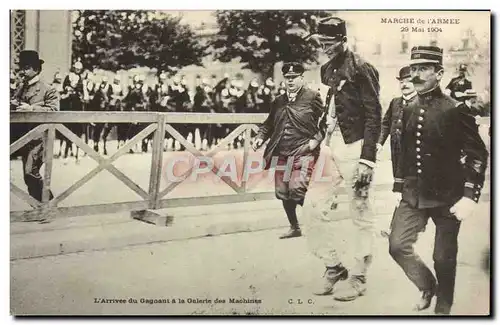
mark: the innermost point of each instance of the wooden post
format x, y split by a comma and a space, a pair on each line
246, 151
49, 155
157, 163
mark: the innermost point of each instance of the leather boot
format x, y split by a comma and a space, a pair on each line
331, 277
425, 300
351, 289
293, 232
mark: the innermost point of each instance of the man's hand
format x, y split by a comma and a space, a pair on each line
24, 107
365, 174
379, 147
330, 124
313, 143
257, 144
463, 208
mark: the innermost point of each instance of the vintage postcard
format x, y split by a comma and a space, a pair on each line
250, 163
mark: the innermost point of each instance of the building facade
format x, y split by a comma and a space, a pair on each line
46, 31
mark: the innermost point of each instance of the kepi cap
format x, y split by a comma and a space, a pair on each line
331, 28
292, 69
426, 54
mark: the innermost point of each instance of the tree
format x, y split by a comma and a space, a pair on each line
262, 38
124, 39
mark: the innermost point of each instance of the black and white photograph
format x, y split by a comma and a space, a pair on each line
250, 162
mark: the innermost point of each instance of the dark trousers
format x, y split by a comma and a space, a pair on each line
406, 224
32, 158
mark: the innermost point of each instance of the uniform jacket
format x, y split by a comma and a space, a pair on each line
354, 83
391, 125
458, 85
304, 112
435, 133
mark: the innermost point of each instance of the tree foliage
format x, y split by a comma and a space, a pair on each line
262, 38
124, 39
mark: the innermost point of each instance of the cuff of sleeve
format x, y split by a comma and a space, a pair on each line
398, 185
472, 193
319, 137
368, 163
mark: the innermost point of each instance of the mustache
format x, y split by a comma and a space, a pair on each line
417, 80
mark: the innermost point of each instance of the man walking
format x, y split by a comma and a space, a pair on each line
433, 181
392, 121
354, 99
292, 127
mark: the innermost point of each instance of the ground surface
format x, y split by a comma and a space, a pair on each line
62, 267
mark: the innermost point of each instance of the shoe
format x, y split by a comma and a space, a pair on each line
332, 276
351, 289
442, 307
293, 232
425, 300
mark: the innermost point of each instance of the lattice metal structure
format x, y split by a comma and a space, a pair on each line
17, 34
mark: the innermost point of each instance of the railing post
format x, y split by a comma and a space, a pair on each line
246, 151
49, 155
157, 163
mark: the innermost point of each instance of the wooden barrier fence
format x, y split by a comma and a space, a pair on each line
153, 197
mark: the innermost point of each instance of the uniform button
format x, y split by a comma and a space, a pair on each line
418, 134
418, 156
419, 163
418, 141
419, 126
399, 121
419, 171
420, 118
422, 111
477, 192
418, 149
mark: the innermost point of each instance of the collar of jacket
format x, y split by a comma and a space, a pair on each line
410, 96
337, 61
430, 94
298, 93
34, 80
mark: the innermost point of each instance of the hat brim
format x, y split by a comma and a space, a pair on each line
421, 61
325, 38
30, 63
403, 77
292, 74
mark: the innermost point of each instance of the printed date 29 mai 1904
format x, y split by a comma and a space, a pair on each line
420, 25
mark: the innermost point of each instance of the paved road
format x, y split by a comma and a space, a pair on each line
252, 265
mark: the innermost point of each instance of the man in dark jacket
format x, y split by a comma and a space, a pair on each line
433, 180
353, 98
33, 95
391, 124
292, 127
458, 85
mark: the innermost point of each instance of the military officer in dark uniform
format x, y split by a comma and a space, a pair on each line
33, 95
459, 84
433, 181
353, 97
292, 127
